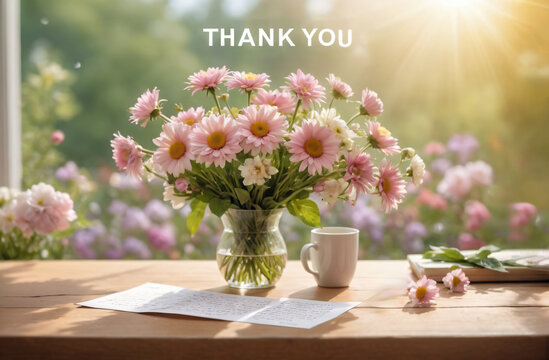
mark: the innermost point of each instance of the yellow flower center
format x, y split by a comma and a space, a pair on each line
177, 150
204, 73
314, 148
190, 122
456, 281
260, 128
250, 76
40, 202
216, 140
386, 185
125, 154
384, 131
304, 89
420, 292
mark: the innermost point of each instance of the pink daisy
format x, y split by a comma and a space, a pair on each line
340, 89
434, 148
262, 129
381, 138
216, 140
391, 186
371, 104
146, 108
360, 171
247, 82
523, 214
306, 87
174, 152
467, 241
127, 156
284, 101
315, 146
189, 117
456, 281
423, 292
206, 80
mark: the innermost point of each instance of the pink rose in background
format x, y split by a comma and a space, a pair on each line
456, 183
467, 241
480, 172
434, 201
43, 210
523, 214
57, 137
476, 214
434, 148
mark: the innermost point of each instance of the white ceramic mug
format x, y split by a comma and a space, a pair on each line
334, 254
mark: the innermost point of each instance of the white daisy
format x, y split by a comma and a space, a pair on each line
256, 170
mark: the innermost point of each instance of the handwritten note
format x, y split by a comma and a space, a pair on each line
158, 298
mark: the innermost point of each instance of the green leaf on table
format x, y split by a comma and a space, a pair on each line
306, 210
488, 263
455, 267
198, 208
219, 206
441, 253
242, 195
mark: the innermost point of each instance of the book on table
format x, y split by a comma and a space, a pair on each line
536, 267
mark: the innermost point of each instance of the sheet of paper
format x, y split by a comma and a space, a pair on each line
159, 298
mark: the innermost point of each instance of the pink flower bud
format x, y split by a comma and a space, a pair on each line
57, 137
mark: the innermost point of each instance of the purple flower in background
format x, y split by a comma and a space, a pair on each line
115, 253
135, 219
162, 237
67, 172
83, 240
156, 210
118, 207
137, 247
413, 237
366, 218
464, 145
440, 166
97, 230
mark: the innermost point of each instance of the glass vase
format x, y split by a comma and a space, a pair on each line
251, 253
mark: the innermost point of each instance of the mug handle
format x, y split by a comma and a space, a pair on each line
305, 257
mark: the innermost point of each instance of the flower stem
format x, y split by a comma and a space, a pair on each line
229, 107
354, 117
249, 97
332, 102
155, 173
215, 99
166, 119
143, 150
294, 116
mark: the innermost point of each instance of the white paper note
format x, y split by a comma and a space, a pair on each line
158, 298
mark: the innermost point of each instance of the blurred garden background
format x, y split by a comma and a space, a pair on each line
462, 81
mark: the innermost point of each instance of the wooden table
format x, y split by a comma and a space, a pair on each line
38, 318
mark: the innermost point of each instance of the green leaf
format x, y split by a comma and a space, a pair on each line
206, 196
489, 263
453, 253
198, 208
454, 267
306, 210
242, 195
219, 206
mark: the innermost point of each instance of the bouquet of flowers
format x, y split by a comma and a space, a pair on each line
270, 155
30, 219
